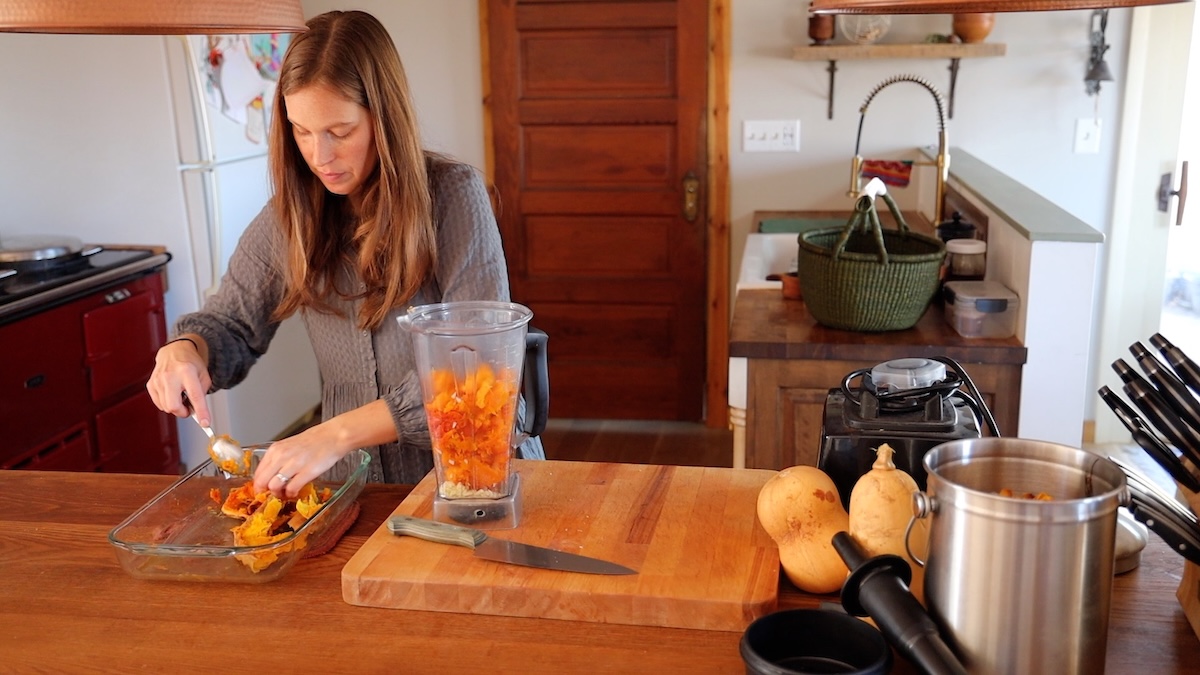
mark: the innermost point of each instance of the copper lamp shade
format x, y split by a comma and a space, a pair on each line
967, 6
151, 17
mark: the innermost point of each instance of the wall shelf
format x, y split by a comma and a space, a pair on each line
925, 50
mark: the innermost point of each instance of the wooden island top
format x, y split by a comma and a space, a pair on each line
768, 326
67, 606
792, 362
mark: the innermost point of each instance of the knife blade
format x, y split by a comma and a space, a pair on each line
502, 550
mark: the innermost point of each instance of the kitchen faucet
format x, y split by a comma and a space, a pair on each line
943, 156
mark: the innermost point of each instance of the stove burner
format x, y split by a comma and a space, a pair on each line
49, 274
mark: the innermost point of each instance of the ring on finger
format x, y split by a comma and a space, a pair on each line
283, 480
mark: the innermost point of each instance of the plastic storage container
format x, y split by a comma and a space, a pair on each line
985, 309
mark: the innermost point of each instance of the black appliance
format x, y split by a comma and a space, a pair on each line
34, 277
912, 404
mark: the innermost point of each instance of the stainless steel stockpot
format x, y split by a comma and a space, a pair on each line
1021, 585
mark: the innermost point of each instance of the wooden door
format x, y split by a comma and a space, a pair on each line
597, 114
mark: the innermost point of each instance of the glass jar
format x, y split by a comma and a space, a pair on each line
966, 260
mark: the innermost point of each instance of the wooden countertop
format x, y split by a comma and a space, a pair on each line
67, 606
768, 326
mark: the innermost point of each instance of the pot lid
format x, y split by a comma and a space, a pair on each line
29, 248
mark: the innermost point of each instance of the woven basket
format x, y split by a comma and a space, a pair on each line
863, 278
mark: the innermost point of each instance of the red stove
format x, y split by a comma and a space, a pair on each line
79, 328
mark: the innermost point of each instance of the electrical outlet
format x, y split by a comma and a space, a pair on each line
771, 135
1087, 136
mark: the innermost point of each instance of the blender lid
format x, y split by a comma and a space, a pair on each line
908, 373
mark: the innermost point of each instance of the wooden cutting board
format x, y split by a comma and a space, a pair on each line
692, 533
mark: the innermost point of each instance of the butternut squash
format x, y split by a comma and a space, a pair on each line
880, 510
800, 509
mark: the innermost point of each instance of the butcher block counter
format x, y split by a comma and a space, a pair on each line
67, 606
793, 362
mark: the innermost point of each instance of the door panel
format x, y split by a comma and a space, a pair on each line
598, 113
570, 243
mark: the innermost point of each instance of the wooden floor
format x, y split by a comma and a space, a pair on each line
638, 442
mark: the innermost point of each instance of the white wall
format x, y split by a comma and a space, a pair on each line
86, 143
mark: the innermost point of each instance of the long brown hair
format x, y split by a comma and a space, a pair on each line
393, 245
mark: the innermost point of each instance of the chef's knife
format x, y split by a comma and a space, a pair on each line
1159, 412
1185, 368
1149, 441
501, 550
1173, 389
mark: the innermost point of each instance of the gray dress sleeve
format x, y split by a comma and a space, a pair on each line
236, 320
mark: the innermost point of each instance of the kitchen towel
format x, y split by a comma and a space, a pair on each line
894, 173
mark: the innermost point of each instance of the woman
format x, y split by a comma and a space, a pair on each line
363, 224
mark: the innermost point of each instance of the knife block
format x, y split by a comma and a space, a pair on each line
1188, 592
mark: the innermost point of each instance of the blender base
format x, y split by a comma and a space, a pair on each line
482, 514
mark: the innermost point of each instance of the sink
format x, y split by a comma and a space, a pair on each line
797, 224
765, 255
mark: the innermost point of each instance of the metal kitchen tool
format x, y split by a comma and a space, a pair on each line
1187, 369
501, 550
1149, 441
226, 453
1158, 411
1173, 390
878, 587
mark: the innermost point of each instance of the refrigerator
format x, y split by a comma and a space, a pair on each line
221, 89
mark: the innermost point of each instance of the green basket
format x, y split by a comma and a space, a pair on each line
863, 278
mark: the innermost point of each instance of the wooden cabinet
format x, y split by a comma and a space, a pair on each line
793, 362
73, 384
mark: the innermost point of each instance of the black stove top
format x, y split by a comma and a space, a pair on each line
31, 282
33, 289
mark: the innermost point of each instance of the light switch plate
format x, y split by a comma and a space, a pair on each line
771, 135
1087, 136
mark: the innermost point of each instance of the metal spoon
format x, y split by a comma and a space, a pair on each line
226, 453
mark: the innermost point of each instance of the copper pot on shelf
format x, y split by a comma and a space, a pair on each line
820, 28
972, 28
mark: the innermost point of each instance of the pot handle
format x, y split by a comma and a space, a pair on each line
922, 507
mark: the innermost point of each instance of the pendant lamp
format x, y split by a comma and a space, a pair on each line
967, 6
151, 17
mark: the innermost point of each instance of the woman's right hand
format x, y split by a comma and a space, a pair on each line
181, 367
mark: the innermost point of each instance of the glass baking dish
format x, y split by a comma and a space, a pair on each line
182, 535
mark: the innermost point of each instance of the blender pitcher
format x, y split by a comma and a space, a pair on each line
470, 357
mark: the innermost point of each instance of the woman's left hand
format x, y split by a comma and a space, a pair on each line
292, 463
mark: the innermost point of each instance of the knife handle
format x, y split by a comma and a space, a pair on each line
432, 530
1180, 536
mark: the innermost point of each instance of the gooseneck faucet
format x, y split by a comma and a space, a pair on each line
943, 156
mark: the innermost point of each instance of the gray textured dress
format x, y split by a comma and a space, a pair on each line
357, 366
